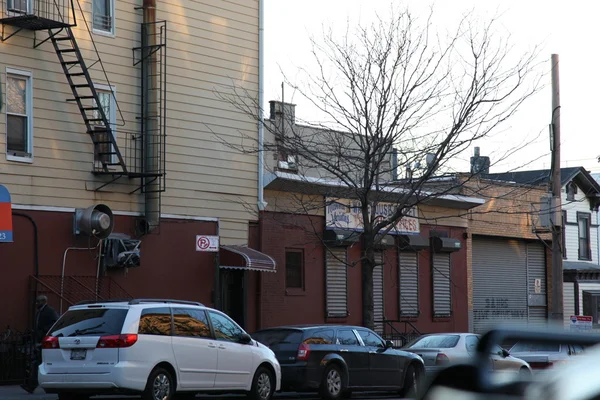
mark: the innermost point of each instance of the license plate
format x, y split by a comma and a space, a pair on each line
78, 354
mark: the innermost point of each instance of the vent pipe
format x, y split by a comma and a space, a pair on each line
150, 103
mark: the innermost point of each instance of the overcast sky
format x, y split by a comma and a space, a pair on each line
571, 31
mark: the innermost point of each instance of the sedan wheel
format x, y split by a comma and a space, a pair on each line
332, 385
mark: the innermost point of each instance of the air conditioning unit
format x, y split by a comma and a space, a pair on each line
120, 251
289, 163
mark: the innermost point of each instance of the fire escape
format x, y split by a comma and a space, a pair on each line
143, 156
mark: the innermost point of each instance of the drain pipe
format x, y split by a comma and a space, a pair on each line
261, 128
150, 102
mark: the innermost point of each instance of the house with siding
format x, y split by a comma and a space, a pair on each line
580, 201
112, 104
311, 228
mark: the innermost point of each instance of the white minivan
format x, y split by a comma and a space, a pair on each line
162, 349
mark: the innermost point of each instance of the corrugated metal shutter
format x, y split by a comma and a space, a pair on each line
408, 274
336, 282
568, 302
442, 285
378, 303
536, 270
499, 282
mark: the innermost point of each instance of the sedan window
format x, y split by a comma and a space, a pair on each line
436, 342
535, 347
371, 339
347, 337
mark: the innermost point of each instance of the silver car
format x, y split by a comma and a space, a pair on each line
541, 356
439, 350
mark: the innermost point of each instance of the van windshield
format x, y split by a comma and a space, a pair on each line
90, 322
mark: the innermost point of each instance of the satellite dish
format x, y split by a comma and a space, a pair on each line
430, 158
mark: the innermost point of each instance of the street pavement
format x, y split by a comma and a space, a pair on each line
16, 393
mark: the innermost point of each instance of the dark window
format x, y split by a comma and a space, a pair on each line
271, 337
90, 322
18, 115
577, 348
471, 343
435, 341
155, 321
371, 339
294, 269
583, 222
324, 336
190, 322
347, 337
225, 329
564, 234
591, 306
571, 191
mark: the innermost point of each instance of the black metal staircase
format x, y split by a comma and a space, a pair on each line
85, 95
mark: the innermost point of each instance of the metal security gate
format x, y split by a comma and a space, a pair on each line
408, 274
499, 282
378, 298
536, 276
336, 275
442, 285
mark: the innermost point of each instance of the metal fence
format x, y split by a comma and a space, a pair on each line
16, 349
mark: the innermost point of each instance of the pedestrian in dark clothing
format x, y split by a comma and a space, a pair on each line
45, 317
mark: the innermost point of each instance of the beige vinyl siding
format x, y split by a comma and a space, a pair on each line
211, 45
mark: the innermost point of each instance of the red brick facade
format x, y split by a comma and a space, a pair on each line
279, 306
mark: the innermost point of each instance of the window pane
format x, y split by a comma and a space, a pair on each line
102, 15
370, 339
105, 100
91, 322
16, 135
436, 341
471, 343
155, 321
347, 337
225, 328
190, 322
293, 269
320, 337
16, 95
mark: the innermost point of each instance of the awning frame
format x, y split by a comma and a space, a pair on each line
261, 262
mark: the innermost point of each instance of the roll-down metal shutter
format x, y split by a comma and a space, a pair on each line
336, 282
378, 302
442, 298
408, 274
536, 270
499, 282
568, 302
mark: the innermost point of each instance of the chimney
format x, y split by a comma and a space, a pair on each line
277, 108
479, 164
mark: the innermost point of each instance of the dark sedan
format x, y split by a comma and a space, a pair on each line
336, 360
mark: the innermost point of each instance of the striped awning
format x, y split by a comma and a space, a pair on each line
242, 257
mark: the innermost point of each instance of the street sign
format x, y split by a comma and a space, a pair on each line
6, 228
207, 243
581, 323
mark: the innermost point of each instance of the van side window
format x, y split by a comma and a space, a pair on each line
155, 321
191, 322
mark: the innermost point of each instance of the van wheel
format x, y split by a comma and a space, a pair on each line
332, 386
263, 385
160, 386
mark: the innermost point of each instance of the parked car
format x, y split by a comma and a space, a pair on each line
541, 356
336, 360
438, 350
156, 348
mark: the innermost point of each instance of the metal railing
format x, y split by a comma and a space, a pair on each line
16, 349
62, 11
400, 337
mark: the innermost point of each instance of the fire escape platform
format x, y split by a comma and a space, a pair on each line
33, 22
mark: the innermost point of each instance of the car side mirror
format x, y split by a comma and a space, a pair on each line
504, 353
389, 344
245, 338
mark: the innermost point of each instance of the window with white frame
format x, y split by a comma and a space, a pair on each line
19, 112
103, 15
108, 104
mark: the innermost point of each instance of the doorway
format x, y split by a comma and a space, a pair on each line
233, 293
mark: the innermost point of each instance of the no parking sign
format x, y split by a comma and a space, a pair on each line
6, 228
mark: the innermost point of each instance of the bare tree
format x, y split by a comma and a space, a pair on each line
395, 88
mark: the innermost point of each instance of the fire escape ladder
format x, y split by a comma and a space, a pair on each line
107, 155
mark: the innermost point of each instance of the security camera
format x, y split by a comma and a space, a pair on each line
96, 221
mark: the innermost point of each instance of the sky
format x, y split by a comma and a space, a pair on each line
571, 31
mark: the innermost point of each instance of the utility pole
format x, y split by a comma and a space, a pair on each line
556, 203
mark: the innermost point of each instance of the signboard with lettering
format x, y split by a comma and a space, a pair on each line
346, 214
207, 243
581, 323
6, 228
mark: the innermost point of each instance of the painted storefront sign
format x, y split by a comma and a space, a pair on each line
346, 214
6, 228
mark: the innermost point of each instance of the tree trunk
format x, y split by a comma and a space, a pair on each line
367, 283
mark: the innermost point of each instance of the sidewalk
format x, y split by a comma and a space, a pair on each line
16, 393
